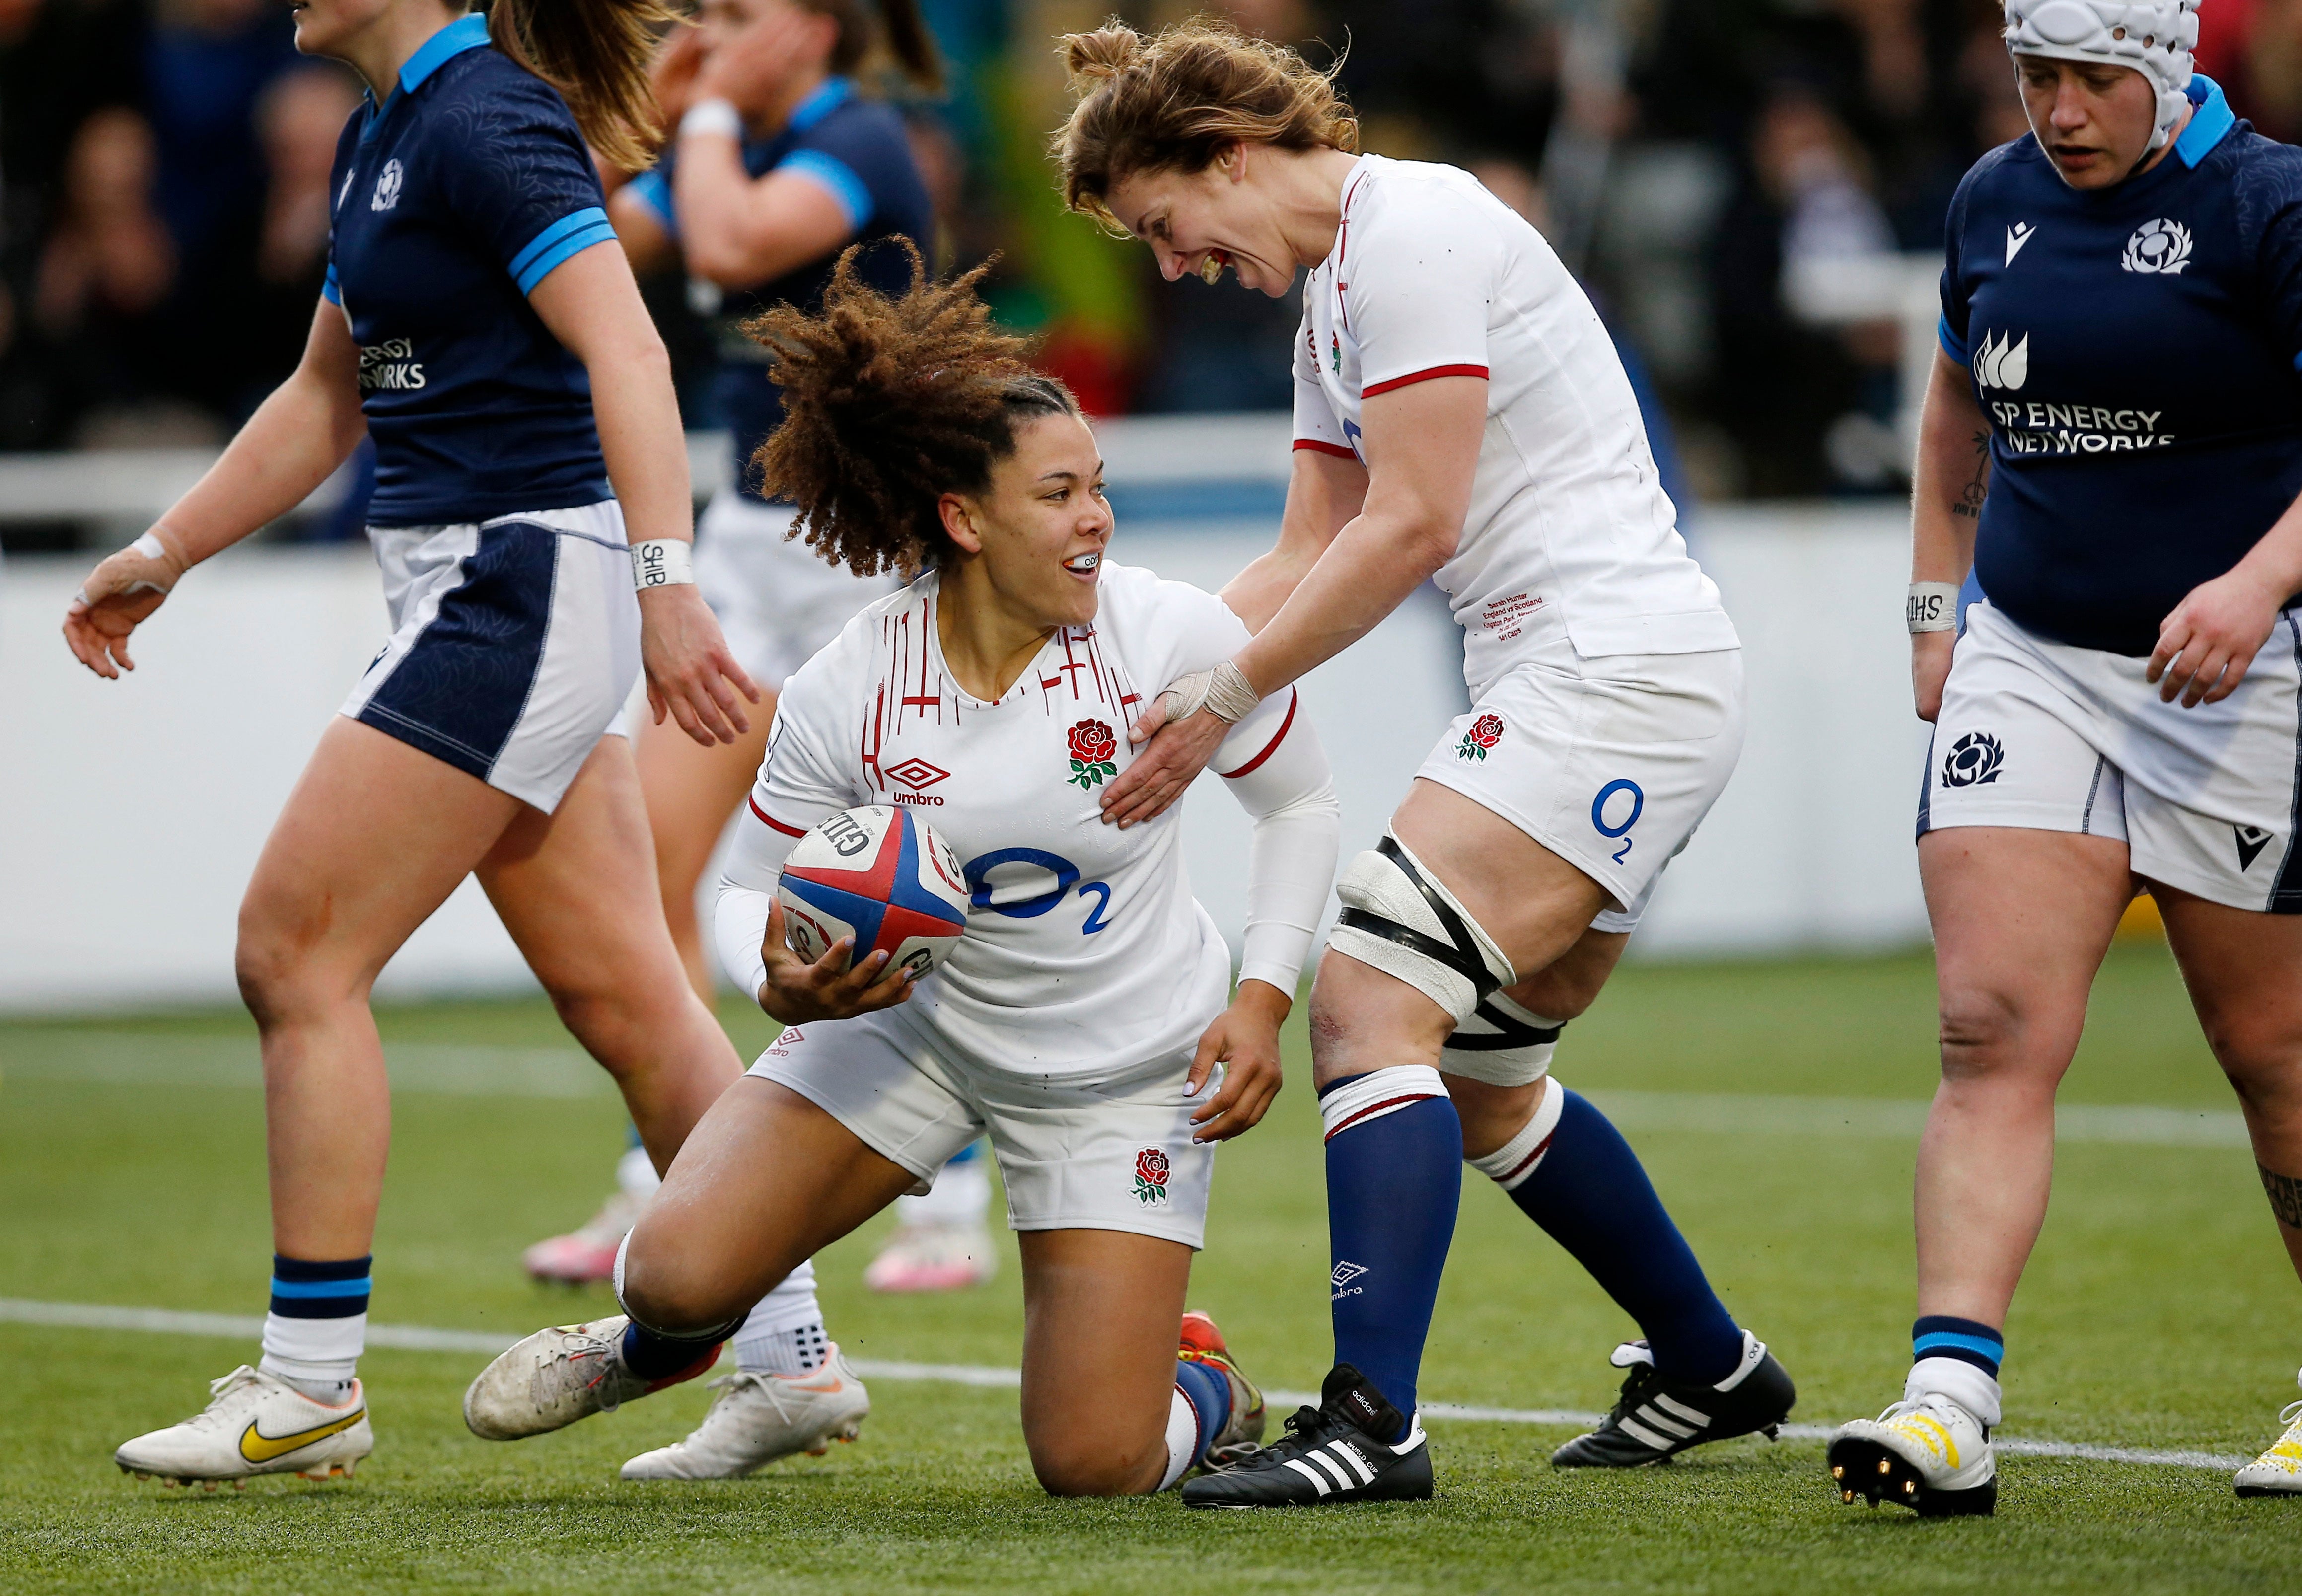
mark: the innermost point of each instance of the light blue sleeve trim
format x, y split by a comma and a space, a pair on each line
333, 289
650, 190
838, 178
578, 231
1952, 345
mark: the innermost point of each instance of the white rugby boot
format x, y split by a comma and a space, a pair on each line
758, 1418
255, 1424
2278, 1472
558, 1375
934, 1255
1926, 1452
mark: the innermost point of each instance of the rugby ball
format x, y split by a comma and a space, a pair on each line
881, 876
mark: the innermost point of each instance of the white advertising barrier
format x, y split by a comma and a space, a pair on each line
131, 812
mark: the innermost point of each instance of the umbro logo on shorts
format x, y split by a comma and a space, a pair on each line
2251, 841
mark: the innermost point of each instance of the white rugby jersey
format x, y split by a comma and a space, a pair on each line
1569, 532
1085, 950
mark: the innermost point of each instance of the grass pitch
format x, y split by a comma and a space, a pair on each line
1771, 1103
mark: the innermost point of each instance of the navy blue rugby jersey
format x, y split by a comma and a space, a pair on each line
453, 199
856, 148
2136, 349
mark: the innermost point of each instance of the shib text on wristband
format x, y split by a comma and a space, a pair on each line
1933, 607
662, 562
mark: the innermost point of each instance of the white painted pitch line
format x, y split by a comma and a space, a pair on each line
418, 1337
453, 1070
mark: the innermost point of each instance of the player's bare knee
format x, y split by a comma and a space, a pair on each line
1092, 1467
1492, 1114
663, 1296
1981, 1031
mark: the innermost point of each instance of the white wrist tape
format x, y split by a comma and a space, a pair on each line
712, 116
1933, 607
1222, 691
662, 562
150, 546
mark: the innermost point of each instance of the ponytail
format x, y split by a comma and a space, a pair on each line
596, 53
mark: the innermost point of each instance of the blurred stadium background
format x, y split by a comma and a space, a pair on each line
1752, 188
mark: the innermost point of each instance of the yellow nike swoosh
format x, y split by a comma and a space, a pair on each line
259, 1448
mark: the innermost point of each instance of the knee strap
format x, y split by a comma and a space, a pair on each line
1399, 921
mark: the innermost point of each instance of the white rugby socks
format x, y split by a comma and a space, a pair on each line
784, 1333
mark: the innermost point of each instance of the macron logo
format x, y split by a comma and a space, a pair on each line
2018, 235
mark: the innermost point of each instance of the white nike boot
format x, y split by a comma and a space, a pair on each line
255, 1424
759, 1418
1926, 1452
558, 1375
2278, 1472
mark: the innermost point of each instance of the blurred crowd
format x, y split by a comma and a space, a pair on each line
164, 198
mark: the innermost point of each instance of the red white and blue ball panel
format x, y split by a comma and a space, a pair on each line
881, 876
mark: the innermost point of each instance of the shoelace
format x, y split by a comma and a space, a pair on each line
561, 1377
2289, 1412
212, 1417
1305, 1428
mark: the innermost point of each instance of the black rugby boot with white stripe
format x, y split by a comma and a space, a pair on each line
1329, 1456
1656, 1418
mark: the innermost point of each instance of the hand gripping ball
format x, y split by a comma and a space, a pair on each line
881, 876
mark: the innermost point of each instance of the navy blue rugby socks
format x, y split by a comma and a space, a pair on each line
1394, 1181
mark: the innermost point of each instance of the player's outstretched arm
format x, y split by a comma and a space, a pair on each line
1422, 445
1324, 493
1946, 495
299, 434
592, 305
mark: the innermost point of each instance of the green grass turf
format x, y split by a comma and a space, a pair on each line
2158, 1312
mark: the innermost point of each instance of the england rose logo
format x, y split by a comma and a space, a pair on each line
1485, 732
2161, 246
1092, 746
1150, 1177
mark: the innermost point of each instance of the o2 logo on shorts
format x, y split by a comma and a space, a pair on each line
1972, 762
1605, 802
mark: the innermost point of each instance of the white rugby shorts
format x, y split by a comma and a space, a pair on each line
1609, 762
2049, 737
515, 642
778, 600
1107, 1154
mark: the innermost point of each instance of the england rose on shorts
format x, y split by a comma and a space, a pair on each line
1064, 1022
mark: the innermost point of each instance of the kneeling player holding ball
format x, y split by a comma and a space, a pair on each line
1081, 1020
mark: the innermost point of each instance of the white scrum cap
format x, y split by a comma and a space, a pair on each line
2154, 37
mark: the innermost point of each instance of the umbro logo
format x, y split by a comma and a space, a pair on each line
2251, 841
2018, 235
917, 774
1347, 1271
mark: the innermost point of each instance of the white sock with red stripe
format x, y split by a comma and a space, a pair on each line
1509, 1166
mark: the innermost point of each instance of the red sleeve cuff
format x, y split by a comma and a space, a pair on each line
771, 820
1270, 747
1413, 377
1321, 447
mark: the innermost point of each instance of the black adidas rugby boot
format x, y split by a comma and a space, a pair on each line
1329, 1455
1656, 1418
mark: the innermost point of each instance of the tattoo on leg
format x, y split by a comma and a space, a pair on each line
2285, 1197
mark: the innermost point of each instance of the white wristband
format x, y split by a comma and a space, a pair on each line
1933, 607
712, 116
662, 562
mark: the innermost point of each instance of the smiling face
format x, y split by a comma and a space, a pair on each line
2093, 119
1202, 222
1036, 536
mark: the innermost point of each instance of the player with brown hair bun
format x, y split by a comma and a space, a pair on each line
1086, 1022
1461, 416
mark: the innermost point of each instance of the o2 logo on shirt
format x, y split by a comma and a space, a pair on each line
2162, 247
387, 186
983, 892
